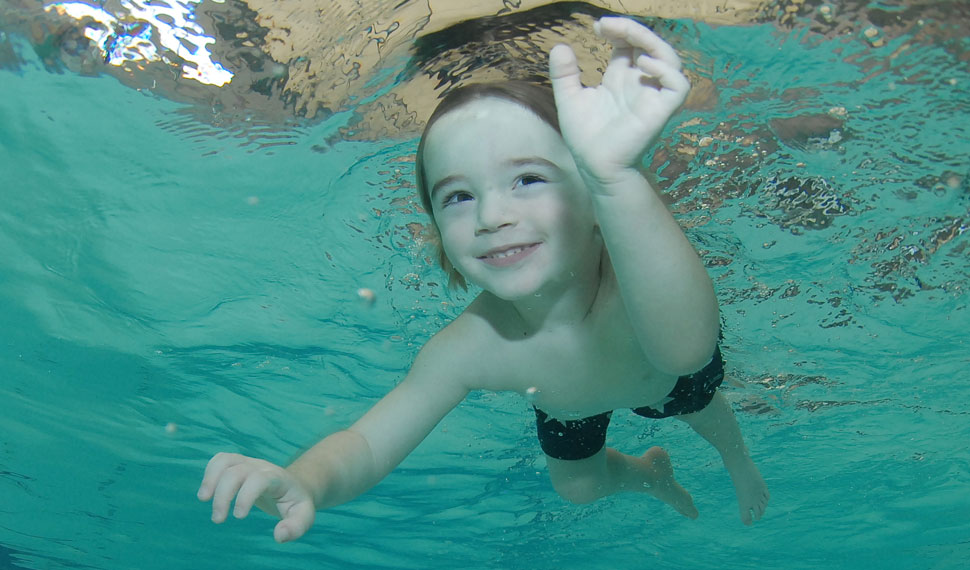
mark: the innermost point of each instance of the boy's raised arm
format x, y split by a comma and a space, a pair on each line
608, 128
343, 465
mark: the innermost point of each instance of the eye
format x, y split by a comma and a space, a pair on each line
455, 198
528, 180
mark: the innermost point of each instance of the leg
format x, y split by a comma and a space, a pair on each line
609, 471
716, 423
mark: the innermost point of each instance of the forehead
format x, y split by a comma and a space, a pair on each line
490, 128
489, 108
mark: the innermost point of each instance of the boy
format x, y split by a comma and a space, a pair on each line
593, 299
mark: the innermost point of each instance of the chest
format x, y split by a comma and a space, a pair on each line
583, 370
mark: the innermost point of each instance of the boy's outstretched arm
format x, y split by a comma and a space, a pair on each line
608, 128
345, 464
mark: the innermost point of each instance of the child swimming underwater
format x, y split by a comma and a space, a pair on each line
593, 299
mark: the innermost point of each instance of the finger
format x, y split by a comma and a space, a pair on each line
624, 33
213, 471
622, 51
564, 71
669, 77
226, 489
253, 488
298, 520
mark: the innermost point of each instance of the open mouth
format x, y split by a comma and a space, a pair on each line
510, 255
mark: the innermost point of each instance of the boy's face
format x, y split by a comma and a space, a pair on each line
514, 217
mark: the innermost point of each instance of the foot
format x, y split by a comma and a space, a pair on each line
750, 487
659, 481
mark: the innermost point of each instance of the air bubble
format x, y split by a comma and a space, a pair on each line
367, 296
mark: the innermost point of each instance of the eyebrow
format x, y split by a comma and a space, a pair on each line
513, 163
531, 161
444, 182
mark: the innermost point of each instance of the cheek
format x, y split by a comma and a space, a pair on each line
451, 241
577, 227
580, 208
571, 214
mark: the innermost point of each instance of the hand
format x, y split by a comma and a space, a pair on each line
254, 481
610, 126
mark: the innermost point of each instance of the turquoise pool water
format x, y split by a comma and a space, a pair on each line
165, 295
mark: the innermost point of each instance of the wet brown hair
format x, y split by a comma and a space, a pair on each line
535, 97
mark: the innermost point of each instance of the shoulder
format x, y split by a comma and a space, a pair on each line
464, 350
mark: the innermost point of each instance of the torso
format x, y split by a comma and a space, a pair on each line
571, 372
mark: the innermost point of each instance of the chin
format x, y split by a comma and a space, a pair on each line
512, 296
508, 290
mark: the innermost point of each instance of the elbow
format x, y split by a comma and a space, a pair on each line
681, 359
685, 342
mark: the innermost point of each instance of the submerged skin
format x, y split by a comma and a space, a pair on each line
593, 299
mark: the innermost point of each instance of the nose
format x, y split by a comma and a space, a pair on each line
493, 214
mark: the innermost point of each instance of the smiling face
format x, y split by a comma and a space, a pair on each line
513, 216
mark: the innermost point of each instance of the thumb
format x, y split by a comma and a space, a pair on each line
564, 71
282, 533
298, 519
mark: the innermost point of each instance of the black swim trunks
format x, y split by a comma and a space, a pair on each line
579, 439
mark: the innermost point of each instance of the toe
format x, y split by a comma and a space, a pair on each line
746, 516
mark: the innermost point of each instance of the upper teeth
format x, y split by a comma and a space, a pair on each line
507, 252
